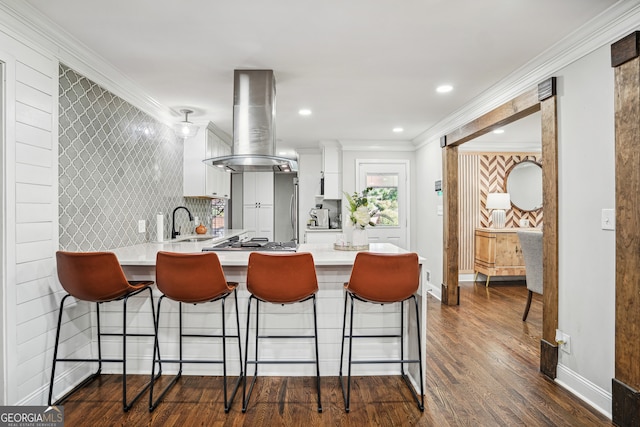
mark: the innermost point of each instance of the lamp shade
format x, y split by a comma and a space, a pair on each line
185, 129
498, 201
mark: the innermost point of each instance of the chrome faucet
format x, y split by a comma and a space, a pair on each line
175, 233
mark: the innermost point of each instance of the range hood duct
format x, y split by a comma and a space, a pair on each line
254, 114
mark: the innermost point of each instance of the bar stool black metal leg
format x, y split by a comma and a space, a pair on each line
241, 375
55, 349
247, 394
421, 404
344, 325
153, 404
156, 356
224, 361
402, 337
255, 366
315, 328
348, 397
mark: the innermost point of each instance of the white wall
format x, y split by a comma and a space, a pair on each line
429, 224
586, 252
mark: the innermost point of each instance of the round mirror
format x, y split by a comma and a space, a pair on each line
524, 185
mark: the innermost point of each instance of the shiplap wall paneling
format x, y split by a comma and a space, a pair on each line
31, 298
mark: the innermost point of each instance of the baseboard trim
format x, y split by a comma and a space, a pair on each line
66, 379
597, 397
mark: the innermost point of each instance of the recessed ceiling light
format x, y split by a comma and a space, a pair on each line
444, 88
282, 153
498, 131
304, 112
398, 130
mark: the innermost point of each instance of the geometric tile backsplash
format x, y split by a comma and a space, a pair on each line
117, 165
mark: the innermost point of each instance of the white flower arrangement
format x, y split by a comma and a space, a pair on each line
359, 213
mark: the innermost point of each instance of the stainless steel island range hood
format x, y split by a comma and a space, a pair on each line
254, 139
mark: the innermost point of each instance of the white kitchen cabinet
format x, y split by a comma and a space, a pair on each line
257, 210
201, 180
332, 169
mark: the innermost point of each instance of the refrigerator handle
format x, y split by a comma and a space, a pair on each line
291, 213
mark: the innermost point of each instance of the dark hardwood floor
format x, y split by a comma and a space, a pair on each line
484, 373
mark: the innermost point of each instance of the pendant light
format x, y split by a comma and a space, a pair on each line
185, 129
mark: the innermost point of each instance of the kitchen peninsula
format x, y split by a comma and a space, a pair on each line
333, 269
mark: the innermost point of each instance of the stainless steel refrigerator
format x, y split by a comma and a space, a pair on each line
286, 222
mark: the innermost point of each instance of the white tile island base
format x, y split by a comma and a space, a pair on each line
333, 269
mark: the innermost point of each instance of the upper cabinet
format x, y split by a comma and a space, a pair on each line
257, 209
201, 180
332, 169
257, 188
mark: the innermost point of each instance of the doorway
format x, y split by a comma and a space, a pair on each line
390, 189
541, 98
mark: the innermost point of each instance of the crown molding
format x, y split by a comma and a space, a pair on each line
612, 24
27, 24
361, 145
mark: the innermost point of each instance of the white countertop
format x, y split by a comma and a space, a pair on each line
323, 253
324, 230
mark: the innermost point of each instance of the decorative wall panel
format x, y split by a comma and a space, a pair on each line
481, 174
117, 165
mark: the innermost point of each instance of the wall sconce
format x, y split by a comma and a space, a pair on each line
185, 129
498, 202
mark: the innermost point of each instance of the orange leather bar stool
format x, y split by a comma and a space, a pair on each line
382, 279
97, 277
194, 279
280, 279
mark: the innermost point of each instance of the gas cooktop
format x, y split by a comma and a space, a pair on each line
255, 244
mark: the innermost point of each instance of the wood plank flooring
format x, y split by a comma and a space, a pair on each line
483, 374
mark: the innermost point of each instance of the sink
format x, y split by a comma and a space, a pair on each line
193, 238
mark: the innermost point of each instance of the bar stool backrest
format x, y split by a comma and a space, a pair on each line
384, 277
92, 276
282, 278
191, 278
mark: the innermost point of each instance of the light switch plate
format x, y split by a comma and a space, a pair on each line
608, 219
142, 226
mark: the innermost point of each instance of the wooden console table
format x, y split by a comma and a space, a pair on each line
498, 253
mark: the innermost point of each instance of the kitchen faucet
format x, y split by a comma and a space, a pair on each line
175, 233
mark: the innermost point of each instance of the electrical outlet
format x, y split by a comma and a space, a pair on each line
142, 226
564, 341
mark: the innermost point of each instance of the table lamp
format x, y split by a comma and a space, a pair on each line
498, 202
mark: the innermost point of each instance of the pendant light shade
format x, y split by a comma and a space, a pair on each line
185, 129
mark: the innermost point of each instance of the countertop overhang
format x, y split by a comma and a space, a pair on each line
144, 254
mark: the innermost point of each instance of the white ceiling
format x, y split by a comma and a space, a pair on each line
362, 66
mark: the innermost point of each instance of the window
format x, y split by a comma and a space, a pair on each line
384, 196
